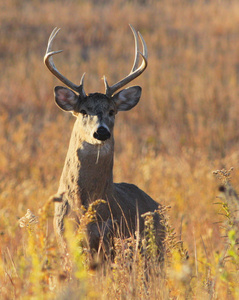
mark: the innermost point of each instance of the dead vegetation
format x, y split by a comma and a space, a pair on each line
185, 126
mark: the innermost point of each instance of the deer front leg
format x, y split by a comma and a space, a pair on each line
61, 210
100, 238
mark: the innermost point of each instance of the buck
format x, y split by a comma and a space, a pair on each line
88, 170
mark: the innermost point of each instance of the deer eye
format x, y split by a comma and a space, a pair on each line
111, 112
83, 112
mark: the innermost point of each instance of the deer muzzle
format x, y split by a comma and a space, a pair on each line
102, 134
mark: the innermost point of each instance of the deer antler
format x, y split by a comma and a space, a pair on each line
136, 71
48, 59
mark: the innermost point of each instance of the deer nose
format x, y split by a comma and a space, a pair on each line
102, 134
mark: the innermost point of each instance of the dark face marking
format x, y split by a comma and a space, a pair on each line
95, 104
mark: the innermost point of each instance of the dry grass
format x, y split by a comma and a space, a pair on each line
185, 127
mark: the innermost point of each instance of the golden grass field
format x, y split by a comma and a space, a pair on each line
185, 127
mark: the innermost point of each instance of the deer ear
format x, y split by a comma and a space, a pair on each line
65, 98
127, 98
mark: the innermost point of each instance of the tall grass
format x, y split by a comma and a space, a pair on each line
185, 126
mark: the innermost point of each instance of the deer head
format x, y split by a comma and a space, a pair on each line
96, 112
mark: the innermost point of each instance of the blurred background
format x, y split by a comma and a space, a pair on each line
185, 126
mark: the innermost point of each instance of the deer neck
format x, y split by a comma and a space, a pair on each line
88, 171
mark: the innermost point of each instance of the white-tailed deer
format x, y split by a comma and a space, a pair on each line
87, 173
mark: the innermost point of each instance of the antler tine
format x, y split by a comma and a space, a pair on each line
136, 71
48, 60
145, 49
136, 43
